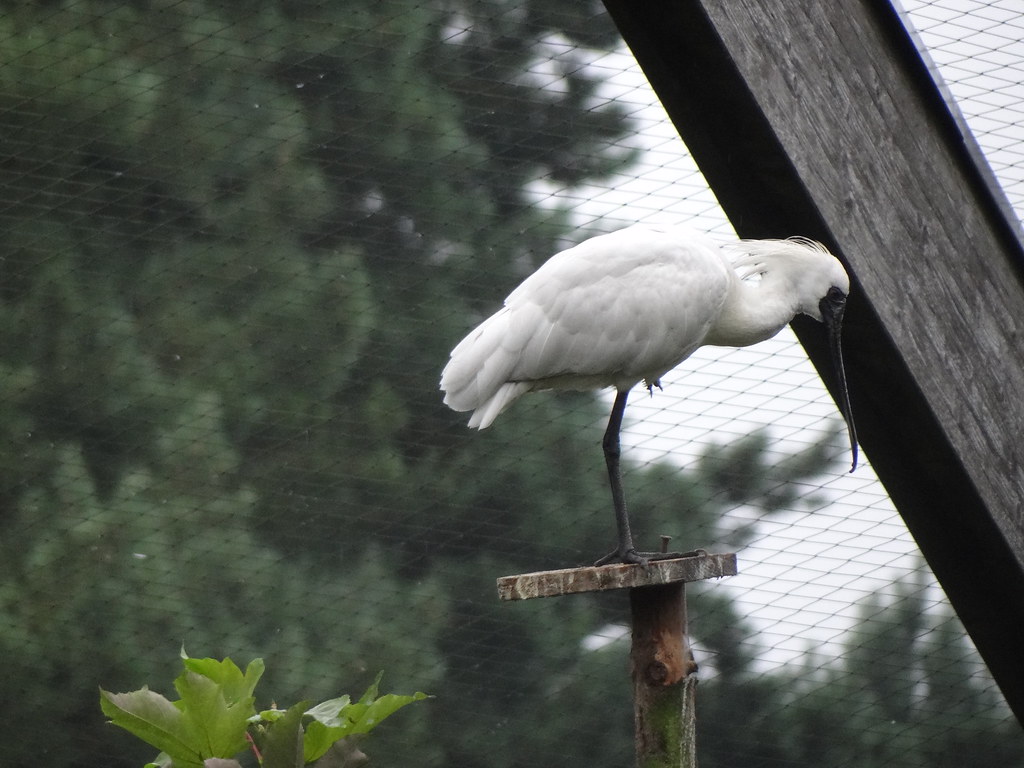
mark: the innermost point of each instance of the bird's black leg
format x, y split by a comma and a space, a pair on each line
626, 552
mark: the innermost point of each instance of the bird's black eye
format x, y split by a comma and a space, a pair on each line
834, 299
833, 304
835, 294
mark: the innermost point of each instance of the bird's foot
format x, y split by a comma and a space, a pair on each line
651, 385
628, 556
632, 557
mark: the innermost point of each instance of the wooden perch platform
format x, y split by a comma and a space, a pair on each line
696, 567
661, 660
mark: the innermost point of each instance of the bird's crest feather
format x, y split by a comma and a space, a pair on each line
750, 257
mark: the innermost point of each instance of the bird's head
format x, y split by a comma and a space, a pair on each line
804, 272
824, 288
818, 281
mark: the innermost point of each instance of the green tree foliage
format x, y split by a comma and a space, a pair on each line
239, 240
903, 692
97, 590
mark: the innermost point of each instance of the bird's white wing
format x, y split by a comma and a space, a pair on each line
613, 310
617, 308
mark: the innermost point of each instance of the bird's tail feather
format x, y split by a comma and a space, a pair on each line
476, 377
485, 414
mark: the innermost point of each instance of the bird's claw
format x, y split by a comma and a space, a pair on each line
651, 385
628, 557
632, 557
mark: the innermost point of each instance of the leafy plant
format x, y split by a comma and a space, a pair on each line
215, 719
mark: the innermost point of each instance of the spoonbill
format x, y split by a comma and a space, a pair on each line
628, 307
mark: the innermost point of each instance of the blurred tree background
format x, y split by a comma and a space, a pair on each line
240, 239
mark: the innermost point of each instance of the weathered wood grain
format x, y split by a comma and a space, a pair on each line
600, 578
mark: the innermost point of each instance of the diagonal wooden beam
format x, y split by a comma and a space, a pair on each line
821, 119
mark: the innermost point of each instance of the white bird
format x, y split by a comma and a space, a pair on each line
631, 305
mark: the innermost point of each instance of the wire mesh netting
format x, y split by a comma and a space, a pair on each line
240, 241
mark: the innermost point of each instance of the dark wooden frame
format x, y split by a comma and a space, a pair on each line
821, 119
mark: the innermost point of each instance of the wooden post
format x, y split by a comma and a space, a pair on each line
663, 667
663, 681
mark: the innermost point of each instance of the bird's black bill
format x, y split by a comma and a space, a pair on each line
832, 308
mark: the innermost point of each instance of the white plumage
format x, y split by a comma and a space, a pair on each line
630, 306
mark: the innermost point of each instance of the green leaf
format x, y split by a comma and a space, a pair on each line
214, 722
318, 738
235, 686
156, 721
372, 715
369, 711
267, 716
281, 745
327, 712
337, 719
208, 721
